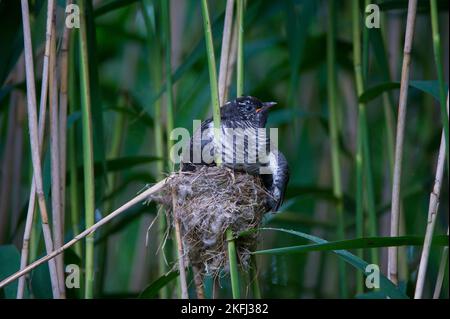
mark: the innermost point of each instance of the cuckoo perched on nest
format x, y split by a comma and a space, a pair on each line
211, 199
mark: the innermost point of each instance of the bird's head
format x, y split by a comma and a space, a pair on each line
247, 108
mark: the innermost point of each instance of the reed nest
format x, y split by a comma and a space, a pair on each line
208, 201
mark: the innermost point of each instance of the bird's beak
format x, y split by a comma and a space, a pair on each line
266, 106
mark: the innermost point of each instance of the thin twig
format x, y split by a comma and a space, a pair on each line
231, 61
33, 129
431, 222
225, 51
139, 198
396, 187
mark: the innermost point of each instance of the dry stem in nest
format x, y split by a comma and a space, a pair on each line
209, 201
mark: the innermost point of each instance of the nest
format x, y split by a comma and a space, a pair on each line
209, 201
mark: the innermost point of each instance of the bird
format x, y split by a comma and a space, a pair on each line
244, 146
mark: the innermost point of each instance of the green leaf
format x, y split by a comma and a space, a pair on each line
357, 243
386, 286
152, 290
9, 264
429, 87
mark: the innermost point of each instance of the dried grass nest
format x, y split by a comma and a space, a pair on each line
210, 200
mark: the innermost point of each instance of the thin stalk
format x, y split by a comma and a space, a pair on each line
88, 158
363, 157
441, 272
167, 42
72, 158
334, 136
225, 51
232, 60
359, 153
87, 232
431, 222
240, 48
54, 155
34, 135
234, 273
180, 250
396, 184
156, 74
168, 71
439, 69
217, 137
212, 76
63, 118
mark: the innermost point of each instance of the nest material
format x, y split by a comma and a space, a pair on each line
208, 202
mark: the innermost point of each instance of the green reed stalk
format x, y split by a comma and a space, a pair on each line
363, 159
439, 70
235, 287
240, 48
334, 136
88, 158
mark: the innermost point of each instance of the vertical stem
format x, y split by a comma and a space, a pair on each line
212, 75
359, 155
63, 118
54, 154
396, 185
240, 48
181, 265
363, 157
234, 273
439, 69
334, 136
74, 194
88, 161
168, 72
225, 51
431, 221
34, 136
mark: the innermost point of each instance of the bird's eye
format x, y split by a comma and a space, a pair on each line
248, 108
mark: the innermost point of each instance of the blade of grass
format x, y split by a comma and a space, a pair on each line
334, 135
396, 185
88, 157
34, 135
356, 243
386, 286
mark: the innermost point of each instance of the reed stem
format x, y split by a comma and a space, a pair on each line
396, 184
334, 136
88, 158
